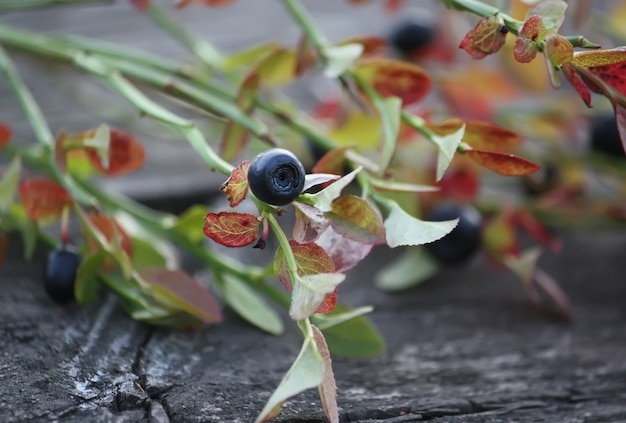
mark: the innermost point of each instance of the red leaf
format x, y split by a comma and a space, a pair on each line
43, 198
578, 84
394, 78
311, 259
504, 164
328, 387
487, 37
620, 118
478, 134
332, 162
460, 185
614, 75
531, 32
537, 230
114, 234
141, 5
126, 155
232, 229
5, 135
185, 292
236, 186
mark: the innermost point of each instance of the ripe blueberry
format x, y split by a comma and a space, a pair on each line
276, 177
460, 244
542, 181
605, 136
409, 36
60, 274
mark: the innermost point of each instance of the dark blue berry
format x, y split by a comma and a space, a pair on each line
544, 180
276, 177
460, 244
60, 274
605, 137
409, 36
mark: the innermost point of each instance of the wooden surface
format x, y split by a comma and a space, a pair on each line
465, 347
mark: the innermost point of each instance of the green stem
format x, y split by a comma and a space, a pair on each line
304, 19
479, 8
14, 5
283, 242
202, 50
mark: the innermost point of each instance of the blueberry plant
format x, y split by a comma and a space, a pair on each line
393, 166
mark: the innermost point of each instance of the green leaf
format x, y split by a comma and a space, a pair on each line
356, 219
87, 284
524, 265
325, 321
191, 222
404, 229
355, 338
552, 13
309, 292
411, 269
100, 141
447, 147
250, 306
146, 254
8, 184
390, 110
323, 199
306, 372
341, 58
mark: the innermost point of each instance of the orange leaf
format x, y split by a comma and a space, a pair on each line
231, 229
394, 78
311, 259
372, 46
236, 186
504, 164
478, 134
126, 154
186, 292
114, 234
595, 58
487, 37
5, 135
235, 137
43, 198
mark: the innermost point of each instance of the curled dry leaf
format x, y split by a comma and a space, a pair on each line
43, 198
236, 186
232, 229
487, 37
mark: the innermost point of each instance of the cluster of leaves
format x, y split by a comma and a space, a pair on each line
378, 139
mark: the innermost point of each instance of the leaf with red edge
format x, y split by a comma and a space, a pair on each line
344, 252
332, 162
176, 288
310, 223
43, 198
232, 229
594, 58
210, 3
311, 259
479, 134
235, 136
5, 134
126, 155
328, 387
141, 5
372, 46
354, 218
487, 37
502, 163
614, 75
578, 84
558, 50
236, 186
4, 244
532, 31
114, 234
390, 78
537, 230
620, 118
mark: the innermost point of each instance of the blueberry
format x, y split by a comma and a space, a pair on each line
605, 136
276, 177
460, 244
60, 274
409, 36
542, 181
